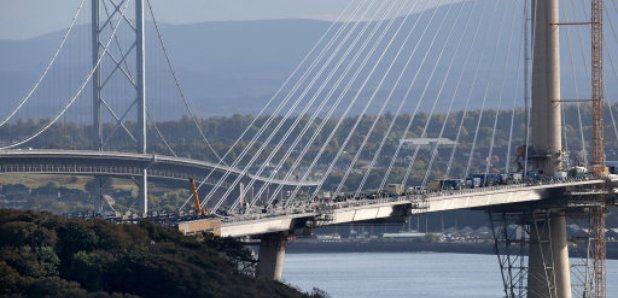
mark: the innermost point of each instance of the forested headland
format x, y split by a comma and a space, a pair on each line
44, 255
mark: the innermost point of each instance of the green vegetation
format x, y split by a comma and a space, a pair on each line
186, 141
47, 192
222, 132
43, 255
38, 180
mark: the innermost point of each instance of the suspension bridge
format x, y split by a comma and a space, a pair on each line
382, 91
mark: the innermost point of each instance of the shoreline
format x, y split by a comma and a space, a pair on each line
376, 246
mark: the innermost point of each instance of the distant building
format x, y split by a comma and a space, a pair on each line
334, 237
404, 235
425, 143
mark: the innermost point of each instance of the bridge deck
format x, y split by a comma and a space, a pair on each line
84, 162
352, 211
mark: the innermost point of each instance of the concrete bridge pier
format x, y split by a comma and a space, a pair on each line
548, 262
241, 194
143, 193
99, 184
271, 256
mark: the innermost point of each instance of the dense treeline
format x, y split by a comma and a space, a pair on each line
43, 255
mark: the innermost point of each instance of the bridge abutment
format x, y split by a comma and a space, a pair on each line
271, 256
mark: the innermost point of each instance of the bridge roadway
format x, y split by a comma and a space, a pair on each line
314, 214
122, 164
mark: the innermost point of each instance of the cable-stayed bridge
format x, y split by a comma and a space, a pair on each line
399, 60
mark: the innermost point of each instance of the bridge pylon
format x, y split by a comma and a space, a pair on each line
548, 261
546, 152
135, 78
546, 143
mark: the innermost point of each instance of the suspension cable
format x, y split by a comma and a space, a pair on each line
393, 121
434, 152
587, 76
326, 52
430, 78
342, 148
390, 42
527, 97
514, 104
468, 99
320, 128
47, 68
575, 86
338, 124
480, 118
403, 70
279, 126
75, 96
387, 12
161, 136
500, 97
178, 87
356, 123
429, 117
418, 103
611, 60
300, 65
368, 134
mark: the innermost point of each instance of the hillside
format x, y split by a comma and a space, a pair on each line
236, 66
43, 255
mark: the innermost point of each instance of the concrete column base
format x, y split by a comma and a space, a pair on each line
143, 193
271, 256
99, 184
548, 264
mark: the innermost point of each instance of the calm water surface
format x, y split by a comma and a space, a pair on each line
405, 274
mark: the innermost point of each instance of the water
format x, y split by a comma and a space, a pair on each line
405, 274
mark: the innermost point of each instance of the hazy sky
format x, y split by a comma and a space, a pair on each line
22, 19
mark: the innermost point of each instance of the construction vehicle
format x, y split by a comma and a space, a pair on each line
396, 189
446, 184
196, 200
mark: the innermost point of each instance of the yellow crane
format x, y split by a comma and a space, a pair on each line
196, 199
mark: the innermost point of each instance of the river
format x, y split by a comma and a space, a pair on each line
445, 275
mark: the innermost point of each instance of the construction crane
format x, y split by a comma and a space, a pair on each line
196, 199
598, 154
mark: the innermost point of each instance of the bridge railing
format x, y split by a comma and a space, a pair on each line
314, 208
309, 208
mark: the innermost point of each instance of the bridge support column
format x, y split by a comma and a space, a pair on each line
241, 195
143, 193
97, 132
545, 113
548, 261
99, 184
271, 256
140, 53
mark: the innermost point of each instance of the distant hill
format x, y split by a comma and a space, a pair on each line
234, 67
